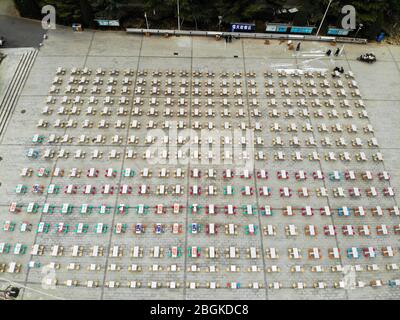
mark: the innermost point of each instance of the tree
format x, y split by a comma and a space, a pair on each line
203, 14
87, 13
28, 9
67, 11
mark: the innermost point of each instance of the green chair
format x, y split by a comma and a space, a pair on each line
32, 208
145, 209
226, 191
246, 212
50, 208
122, 209
56, 189
198, 208
11, 226
6, 248
67, 210
104, 229
21, 189
104, 209
37, 139
86, 209
23, 249
43, 173
123, 228
128, 173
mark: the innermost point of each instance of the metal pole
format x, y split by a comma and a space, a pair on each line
147, 22
341, 50
179, 17
359, 28
323, 19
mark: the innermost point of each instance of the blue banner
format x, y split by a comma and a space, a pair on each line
243, 27
304, 30
338, 32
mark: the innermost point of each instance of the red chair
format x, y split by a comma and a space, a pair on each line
297, 175
110, 190
280, 176
225, 176
259, 175
324, 212
227, 212
304, 212
315, 176
94, 175
208, 210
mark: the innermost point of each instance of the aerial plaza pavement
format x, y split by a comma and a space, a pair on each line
137, 167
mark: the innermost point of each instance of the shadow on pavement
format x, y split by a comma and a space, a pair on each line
19, 32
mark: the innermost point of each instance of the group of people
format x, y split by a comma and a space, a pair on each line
328, 53
337, 71
368, 57
337, 52
228, 38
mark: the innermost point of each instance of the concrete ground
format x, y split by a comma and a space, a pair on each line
8, 66
378, 85
20, 32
